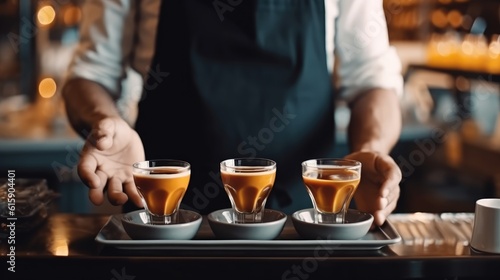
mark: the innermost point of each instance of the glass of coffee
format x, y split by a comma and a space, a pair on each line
162, 184
248, 182
331, 184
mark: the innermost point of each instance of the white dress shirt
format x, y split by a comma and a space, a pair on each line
117, 35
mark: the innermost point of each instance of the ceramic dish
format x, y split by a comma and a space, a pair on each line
136, 226
357, 225
223, 226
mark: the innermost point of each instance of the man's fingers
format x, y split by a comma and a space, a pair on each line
92, 178
381, 215
86, 171
116, 196
379, 218
389, 190
133, 194
388, 199
390, 173
393, 195
96, 196
96, 192
384, 202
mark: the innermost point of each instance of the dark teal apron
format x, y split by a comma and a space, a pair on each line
246, 78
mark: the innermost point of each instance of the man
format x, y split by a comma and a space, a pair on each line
236, 79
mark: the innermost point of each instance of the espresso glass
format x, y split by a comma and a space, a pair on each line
331, 184
162, 184
248, 182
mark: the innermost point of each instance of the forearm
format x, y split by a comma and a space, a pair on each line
87, 103
376, 121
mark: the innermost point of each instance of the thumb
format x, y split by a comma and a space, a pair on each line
102, 134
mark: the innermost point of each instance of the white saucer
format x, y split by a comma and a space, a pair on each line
357, 225
136, 226
222, 224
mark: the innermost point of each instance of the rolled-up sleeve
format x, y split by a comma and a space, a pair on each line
106, 37
365, 58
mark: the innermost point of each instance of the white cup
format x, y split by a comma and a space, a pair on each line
486, 231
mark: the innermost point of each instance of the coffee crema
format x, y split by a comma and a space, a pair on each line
331, 189
162, 189
248, 191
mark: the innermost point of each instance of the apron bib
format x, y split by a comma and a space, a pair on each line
245, 79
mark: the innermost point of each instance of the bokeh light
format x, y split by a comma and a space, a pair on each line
47, 88
71, 15
455, 18
46, 15
439, 18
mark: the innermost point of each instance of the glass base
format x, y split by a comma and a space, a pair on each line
246, 218
329, 218
163, 220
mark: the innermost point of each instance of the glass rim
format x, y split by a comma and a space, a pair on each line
271, 164
342, 162
145, 164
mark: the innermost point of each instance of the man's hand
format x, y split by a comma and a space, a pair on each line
378, 191
106, 162
374, 128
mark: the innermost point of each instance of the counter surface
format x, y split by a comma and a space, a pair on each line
433, 246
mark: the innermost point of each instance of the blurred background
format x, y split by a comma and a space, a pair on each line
449, 151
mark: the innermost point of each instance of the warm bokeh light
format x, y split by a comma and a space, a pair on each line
47, 88
438, 18
72, 15
60, 247
494, 55
60, 239
46, 15
474, 52
455, 18
494, 47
